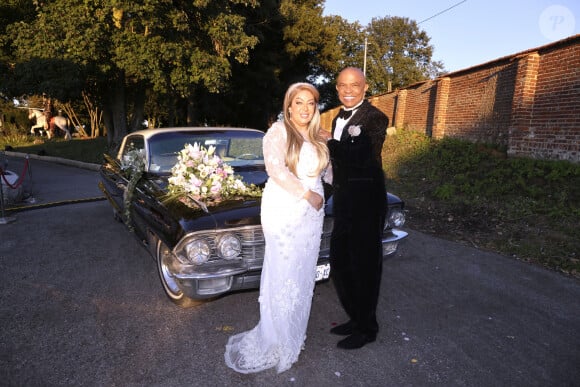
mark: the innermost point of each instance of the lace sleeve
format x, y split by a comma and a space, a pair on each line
327, 175
274, 157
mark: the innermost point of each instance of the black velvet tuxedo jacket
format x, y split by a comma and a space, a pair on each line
358, 177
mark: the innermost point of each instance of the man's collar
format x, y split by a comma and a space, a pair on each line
354, 107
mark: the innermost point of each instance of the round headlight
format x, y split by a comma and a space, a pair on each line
229, 246
198, 251
397, 218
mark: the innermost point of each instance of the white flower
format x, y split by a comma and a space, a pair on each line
134, 160
354, 130
202, 175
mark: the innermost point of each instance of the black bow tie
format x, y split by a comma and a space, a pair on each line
344, 114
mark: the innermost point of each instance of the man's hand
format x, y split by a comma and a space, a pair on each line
325, 134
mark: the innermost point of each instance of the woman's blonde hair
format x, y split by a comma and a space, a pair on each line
295, 139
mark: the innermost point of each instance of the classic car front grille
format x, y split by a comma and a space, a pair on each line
253, 242
325, 238
252, 245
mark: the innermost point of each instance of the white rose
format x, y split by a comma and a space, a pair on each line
354, 130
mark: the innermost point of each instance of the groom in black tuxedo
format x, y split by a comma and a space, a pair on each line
356, 258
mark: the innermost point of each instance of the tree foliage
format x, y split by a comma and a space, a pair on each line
399, 53
126, 48
198, 62
289, 34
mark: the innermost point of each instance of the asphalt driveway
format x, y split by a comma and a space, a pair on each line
81, 305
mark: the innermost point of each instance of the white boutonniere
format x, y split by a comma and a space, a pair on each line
354, 131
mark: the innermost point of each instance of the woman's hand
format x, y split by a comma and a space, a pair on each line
314, 199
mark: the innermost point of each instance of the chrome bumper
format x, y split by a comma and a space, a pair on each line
203, 285
391, 241
209, 284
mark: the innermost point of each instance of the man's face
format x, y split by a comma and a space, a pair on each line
351, 87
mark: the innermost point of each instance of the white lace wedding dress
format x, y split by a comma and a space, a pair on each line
292, 229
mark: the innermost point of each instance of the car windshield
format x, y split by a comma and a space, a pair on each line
238, 148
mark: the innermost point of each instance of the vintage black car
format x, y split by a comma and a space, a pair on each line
205, 251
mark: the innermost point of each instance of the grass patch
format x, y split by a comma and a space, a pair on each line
89, 150
526, 208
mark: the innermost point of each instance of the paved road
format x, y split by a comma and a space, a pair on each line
81, 305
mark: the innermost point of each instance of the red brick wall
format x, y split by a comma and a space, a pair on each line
529, 102
419, 106
552, 129
479, 104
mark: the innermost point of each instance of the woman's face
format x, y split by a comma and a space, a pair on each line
302, 109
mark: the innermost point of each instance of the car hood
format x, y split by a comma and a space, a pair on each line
233, 212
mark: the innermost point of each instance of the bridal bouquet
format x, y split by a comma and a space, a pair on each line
201, 177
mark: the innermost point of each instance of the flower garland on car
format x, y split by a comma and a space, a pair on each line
133, 164
202, 178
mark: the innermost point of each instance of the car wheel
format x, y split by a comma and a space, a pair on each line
164, 259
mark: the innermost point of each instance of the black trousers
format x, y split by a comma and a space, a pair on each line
356, 262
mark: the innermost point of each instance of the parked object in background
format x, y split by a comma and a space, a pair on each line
11, 190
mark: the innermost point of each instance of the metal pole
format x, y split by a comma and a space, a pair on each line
3, 219
31, 198
365, 59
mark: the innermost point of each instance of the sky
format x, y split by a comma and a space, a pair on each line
466, 33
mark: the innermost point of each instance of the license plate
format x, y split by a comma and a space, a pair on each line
322, 272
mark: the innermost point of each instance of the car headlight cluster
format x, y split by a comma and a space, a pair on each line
201, 249
229, 246
396, 218
198, 251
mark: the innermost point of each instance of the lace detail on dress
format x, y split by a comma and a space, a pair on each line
274, 157
287, 299
292, 229
253, 358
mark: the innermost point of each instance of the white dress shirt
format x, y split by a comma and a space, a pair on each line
341, 122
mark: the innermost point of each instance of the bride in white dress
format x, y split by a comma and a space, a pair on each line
296, 156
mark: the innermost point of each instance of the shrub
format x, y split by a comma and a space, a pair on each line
509, 204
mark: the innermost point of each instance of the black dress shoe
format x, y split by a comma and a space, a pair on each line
343, 329
356, 340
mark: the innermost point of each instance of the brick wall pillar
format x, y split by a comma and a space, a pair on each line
440, 110
523, 101
400, 108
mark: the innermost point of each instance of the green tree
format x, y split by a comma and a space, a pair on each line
398, 53
292, 40
197, 62
126, 48
343, 48
11, 11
